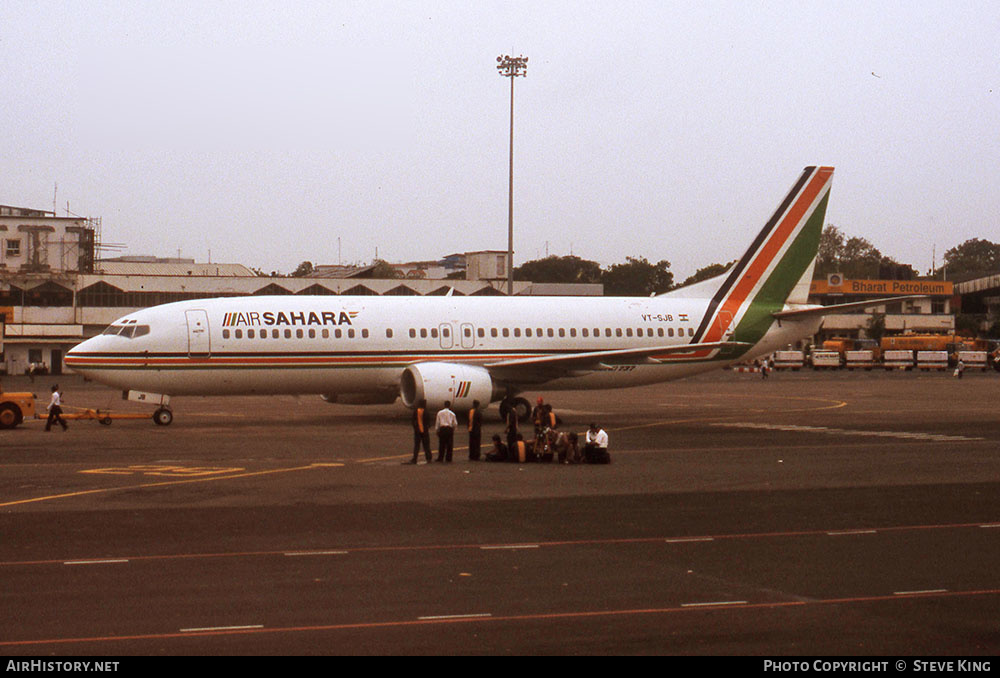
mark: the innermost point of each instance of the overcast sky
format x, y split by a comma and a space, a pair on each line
265, 133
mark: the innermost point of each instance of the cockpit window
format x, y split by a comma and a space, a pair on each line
129, 331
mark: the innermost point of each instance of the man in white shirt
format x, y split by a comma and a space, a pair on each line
445, 426
55, 409
596, 449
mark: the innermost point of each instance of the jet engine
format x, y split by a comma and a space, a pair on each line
438, 382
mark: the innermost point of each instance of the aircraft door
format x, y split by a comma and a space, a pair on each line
444, 335
199, 342
468, 335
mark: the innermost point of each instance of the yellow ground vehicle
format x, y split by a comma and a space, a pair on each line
15, 408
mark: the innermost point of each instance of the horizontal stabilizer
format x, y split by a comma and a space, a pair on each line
813, 311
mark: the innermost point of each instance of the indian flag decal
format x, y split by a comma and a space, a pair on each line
779, 257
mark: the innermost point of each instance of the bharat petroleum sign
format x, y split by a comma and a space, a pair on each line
936, 288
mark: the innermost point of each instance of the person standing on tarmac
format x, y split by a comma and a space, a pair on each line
510, 427
475, 431
445, 426
55, 409
421, 431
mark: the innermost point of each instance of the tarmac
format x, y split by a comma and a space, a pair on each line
811, 513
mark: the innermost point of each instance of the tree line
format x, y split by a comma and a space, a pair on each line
857, 258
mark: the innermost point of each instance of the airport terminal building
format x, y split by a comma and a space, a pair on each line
933, 314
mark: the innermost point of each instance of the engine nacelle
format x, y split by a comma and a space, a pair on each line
438, 382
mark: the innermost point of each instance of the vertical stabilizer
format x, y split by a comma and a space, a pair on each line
776, 269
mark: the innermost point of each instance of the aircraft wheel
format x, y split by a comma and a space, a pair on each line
163, 417
10, 415
523, 408
106, 421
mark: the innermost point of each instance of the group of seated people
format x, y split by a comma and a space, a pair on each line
551, 444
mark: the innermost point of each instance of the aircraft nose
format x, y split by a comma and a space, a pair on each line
76, 357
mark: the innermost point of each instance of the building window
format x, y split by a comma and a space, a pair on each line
14, 247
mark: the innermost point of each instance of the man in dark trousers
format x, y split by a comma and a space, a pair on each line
445, 426
421, 431
475, 431
510, 428
55, 409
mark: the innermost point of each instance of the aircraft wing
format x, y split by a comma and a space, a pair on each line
543, 368
812, 311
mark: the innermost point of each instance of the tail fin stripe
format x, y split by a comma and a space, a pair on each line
779, 231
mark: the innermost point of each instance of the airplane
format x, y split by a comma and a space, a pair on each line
460, 349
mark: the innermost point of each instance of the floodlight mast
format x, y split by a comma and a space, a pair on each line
511, 67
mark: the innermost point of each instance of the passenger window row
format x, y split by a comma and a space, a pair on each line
551, 332
298, 333
434, 332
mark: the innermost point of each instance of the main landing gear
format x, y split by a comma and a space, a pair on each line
522, 406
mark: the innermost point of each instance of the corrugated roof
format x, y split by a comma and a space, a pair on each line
172, 269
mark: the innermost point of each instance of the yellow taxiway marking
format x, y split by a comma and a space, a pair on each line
166, 483
171, 471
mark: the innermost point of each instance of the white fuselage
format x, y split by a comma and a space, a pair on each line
357, 345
